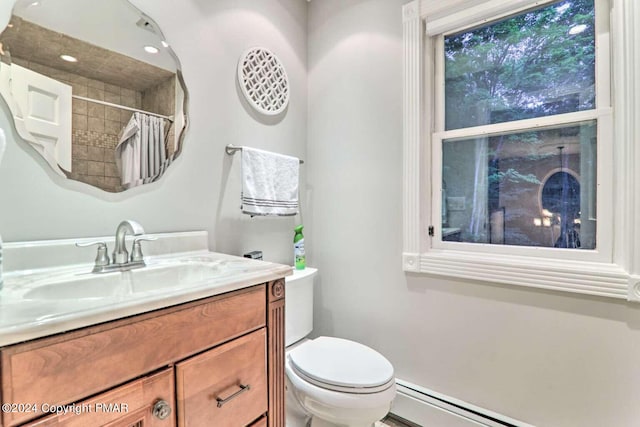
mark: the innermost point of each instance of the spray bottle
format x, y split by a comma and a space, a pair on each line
299, 259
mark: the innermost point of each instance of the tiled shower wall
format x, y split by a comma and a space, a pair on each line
95, 132
95, 127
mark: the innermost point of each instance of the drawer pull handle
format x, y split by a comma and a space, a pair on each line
161, 409
243, 388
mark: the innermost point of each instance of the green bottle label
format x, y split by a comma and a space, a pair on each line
299, 255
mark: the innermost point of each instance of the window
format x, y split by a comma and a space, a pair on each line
511, 162
538, 63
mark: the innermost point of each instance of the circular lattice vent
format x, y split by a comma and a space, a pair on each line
263, 81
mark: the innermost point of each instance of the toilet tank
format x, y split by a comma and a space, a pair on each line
298, 309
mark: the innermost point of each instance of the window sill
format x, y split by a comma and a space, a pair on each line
601, 279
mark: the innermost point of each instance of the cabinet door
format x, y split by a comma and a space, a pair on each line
147, 402
226, 386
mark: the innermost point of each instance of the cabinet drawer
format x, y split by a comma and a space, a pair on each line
130, 405
226, 386
70, 367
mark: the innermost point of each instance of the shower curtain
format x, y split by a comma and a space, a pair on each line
141, 153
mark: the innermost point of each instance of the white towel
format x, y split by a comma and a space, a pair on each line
269, 183
127, 153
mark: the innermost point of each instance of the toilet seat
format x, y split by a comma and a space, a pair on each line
342, 365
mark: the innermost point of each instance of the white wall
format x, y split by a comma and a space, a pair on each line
202, 188
549, 359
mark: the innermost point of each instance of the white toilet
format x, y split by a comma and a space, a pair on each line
330, 381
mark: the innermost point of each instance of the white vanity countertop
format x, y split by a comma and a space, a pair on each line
45, 301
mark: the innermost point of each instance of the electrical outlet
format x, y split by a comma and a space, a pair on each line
456, 203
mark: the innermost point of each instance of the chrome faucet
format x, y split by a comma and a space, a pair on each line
120, 254
120, 259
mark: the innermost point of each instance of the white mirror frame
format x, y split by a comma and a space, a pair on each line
617, 279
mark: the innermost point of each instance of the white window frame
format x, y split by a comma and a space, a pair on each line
611, 270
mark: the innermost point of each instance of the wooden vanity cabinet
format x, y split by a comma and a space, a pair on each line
228, 348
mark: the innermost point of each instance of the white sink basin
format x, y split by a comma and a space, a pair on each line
177, 276
79, 287
167, 275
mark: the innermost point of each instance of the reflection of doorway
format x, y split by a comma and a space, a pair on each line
561, 201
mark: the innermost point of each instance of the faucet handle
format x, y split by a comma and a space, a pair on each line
102, 259
136, 250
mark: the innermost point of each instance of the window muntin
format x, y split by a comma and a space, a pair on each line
534, 64
533, 188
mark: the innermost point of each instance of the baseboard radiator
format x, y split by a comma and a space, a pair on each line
428, 408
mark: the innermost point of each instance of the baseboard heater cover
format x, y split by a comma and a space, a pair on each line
415, 403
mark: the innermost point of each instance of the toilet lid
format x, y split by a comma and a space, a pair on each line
342, 363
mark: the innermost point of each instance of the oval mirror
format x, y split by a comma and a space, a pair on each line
95, 89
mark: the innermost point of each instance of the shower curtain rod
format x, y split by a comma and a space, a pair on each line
231, 150
122, 107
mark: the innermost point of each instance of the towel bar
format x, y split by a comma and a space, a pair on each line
231, 149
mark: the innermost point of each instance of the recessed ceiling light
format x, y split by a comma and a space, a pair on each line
577, 29
164, 43
35, 3
151, 49
69, 58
